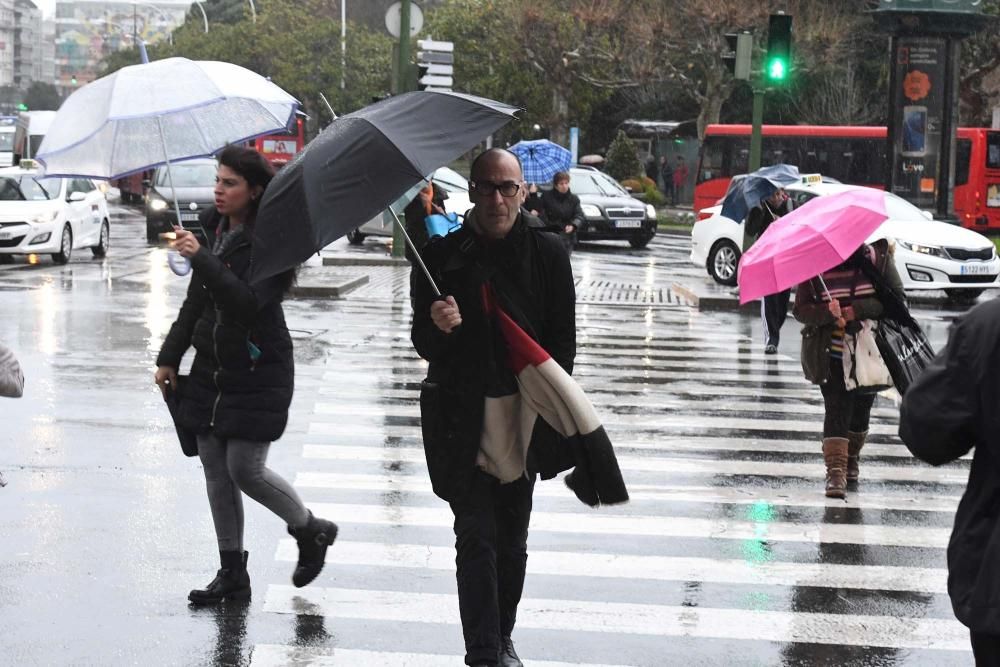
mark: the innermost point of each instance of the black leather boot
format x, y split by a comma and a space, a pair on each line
508, 656
232, 582
313, 539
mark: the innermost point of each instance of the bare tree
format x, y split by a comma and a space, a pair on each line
837, 100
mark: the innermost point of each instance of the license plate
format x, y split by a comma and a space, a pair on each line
625, 224
974, 269
6, 236
189, 217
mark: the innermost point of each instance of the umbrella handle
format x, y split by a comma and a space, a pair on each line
823, 283
413, 249
179, 268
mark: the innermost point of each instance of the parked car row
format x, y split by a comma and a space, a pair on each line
929, 254
610, 212
55, 216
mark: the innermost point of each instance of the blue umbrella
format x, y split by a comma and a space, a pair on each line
541, 159
757, 186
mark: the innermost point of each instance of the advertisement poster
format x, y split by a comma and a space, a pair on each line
920, 64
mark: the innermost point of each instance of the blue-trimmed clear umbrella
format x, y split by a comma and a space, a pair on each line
541, 159
152, 114
755, 187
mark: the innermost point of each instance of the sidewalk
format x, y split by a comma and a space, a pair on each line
341, 268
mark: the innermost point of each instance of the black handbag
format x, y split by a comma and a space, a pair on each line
188, 438
905, 350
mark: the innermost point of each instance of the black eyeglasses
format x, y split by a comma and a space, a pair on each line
487, 188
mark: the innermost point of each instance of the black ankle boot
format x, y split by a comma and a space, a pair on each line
508, 656
232, 582
313, 539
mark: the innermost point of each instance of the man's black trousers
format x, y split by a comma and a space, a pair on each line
773, 311
491, 544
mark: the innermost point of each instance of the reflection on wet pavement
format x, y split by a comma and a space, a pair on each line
728, 553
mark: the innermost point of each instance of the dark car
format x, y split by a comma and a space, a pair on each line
610, 212
194, 181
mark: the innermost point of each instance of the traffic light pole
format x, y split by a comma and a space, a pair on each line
755, 130
405, 82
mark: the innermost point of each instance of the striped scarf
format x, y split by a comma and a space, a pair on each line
845, 283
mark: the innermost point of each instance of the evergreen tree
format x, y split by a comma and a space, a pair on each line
622, 160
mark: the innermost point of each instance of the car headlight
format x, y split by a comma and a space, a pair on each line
921, 249
591, 211
157, 204
44, 218
650, 211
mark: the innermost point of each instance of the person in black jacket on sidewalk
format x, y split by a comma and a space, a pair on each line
240, 387
502, 248
561, 209
948, 410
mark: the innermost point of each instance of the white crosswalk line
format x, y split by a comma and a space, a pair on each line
419, 483
646, 619
274, 655
653, 464
663, 568
652, 525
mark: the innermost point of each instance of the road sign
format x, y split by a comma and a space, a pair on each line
435, 64
393, 17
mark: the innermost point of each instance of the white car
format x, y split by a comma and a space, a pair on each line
447, 179
930, 255
54, 216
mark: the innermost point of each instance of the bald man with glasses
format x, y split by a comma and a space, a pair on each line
506, 251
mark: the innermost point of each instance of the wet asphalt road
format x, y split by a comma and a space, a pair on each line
728, 553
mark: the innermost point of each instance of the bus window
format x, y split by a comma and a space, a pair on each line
963, 155
993, 150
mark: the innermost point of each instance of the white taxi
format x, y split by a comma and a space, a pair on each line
929, 255
52, 216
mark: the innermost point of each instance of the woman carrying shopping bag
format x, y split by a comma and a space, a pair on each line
834, 307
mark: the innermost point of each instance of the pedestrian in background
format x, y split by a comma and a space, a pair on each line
773, 307
428, 201
653, 169
533, 200
949, 409
11, 381
680, 177
561, 209
666, 178
237, 396
503, 249
829, 309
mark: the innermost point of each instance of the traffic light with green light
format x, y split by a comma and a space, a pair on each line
22, 107
72, 80
778, 63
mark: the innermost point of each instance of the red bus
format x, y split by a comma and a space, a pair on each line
281, 147
855, 155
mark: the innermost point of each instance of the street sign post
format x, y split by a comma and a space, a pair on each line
435, 65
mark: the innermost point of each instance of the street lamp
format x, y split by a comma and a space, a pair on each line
170, 33
204, 16
253, 11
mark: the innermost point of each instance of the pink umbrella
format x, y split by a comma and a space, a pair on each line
812, 239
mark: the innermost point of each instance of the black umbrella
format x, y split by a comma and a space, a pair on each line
360, 164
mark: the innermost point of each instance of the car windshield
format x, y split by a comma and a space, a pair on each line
201, 175
28, 188
900, 209
593, 183
6, 141
450, 180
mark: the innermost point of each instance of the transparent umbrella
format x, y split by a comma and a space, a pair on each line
147, 115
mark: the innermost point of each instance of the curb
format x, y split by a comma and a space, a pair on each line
341, 260
334, 290
705, 302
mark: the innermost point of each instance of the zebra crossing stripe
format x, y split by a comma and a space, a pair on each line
645, 619
657, 526
419, 483
276, 655
658, 568
643, 464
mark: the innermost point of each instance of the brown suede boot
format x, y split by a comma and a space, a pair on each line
835, 456
855, 441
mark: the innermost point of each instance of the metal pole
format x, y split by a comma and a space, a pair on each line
329, 108
398, 235
343, 42
253, 11
755, 133
204, 16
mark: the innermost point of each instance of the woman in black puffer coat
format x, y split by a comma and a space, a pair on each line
237, 396
561, 210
